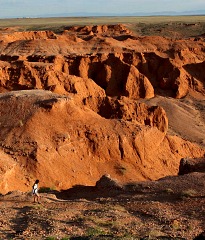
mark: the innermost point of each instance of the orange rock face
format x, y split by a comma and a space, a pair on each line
78, 105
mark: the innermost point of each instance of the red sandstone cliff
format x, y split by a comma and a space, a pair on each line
93, 121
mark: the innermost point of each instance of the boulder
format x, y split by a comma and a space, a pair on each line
106, 182
188, 165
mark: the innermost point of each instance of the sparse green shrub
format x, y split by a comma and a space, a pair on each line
95, 231
39, 206
46, 189
190, 227
120, 169
154, 233
189, 193
175, 225
50, 238
168, 190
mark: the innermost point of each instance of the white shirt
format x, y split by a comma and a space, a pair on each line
35, 188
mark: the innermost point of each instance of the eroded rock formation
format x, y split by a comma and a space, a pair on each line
49, 136
117, 60
71, 108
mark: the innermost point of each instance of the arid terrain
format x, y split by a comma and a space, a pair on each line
102, 115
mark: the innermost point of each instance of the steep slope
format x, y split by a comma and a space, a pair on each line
50, 137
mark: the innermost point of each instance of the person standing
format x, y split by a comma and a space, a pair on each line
36, 196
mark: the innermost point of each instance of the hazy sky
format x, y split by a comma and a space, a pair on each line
30, 8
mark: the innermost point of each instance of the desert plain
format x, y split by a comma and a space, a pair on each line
109, 115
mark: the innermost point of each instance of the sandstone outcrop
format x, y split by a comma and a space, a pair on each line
115, 58
72, 105
51, 137
129, 110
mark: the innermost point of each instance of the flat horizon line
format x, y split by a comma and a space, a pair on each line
98, 14
104, 16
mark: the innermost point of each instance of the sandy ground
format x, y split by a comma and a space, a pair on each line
171, 208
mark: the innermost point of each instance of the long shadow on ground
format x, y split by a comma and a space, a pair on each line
20, 222
87, 192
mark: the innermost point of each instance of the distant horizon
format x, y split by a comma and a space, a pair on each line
97, 14
94, 8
